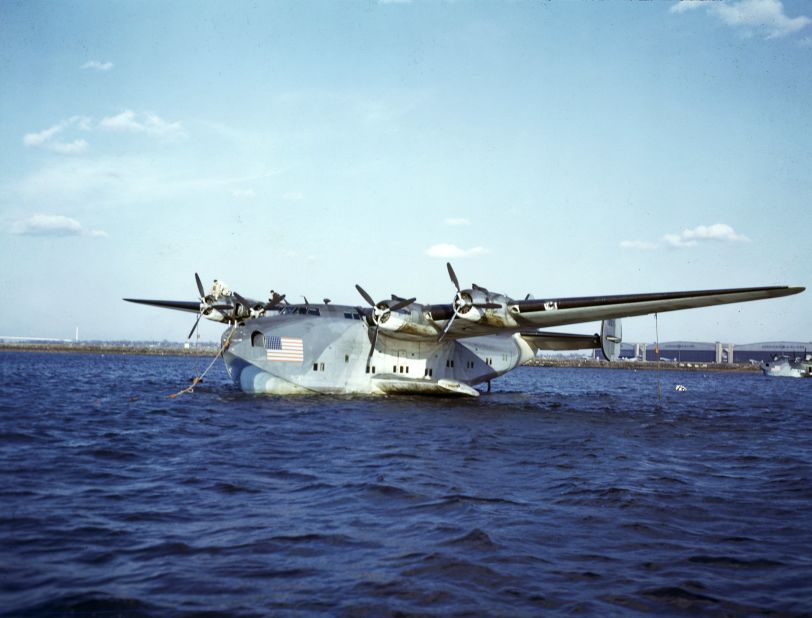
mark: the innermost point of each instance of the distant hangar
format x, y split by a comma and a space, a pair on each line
710, 352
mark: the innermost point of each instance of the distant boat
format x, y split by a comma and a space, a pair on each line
783, 367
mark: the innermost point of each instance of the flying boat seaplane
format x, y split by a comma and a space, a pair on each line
400, 346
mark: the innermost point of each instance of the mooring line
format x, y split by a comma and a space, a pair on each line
197, 379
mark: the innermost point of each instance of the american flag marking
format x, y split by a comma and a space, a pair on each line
285, 349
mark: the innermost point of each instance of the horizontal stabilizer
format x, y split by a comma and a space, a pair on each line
547, 340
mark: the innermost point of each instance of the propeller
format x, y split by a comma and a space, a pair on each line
197, 321
226, 305
203, 305
381, 312
200, 287
463, 302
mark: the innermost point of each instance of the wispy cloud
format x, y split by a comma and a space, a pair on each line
47, 138
766, 17
53, 225
457, 222
444, 250
129, 121
97, 65
718, 232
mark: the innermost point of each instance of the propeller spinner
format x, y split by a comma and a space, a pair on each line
381, 312
463, 301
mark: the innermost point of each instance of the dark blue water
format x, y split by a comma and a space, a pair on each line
562, 492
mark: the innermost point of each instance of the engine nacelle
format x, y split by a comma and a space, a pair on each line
405, 325
480, 305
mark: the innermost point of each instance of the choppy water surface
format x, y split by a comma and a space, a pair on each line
562, 492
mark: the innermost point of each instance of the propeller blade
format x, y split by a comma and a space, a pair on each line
197, 321
241, 300
487, 305
200, 287
448, 326
372, 347
403, 303
453, 276
366, 296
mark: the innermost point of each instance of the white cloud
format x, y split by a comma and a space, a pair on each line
717, 231
244, 194
720, 232
46, 137
77, 146
129, 121
458, 222
38, 139
764, 16
96, 65
444, 250
686, 5
53, 225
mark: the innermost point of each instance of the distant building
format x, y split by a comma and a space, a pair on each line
710, 352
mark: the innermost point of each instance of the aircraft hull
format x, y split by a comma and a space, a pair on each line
330, 354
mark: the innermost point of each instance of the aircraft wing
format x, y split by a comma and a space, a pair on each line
523, 315
180, 305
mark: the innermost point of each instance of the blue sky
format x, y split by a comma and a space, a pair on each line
557, 148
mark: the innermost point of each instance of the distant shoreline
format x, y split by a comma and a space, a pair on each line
540, 361
110, 348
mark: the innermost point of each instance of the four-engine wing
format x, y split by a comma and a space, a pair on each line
477, 312
526, 315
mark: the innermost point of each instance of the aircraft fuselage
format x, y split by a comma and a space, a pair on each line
326, 349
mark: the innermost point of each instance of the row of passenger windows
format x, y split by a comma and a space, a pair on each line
428, 372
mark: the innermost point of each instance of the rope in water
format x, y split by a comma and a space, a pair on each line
197, 379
